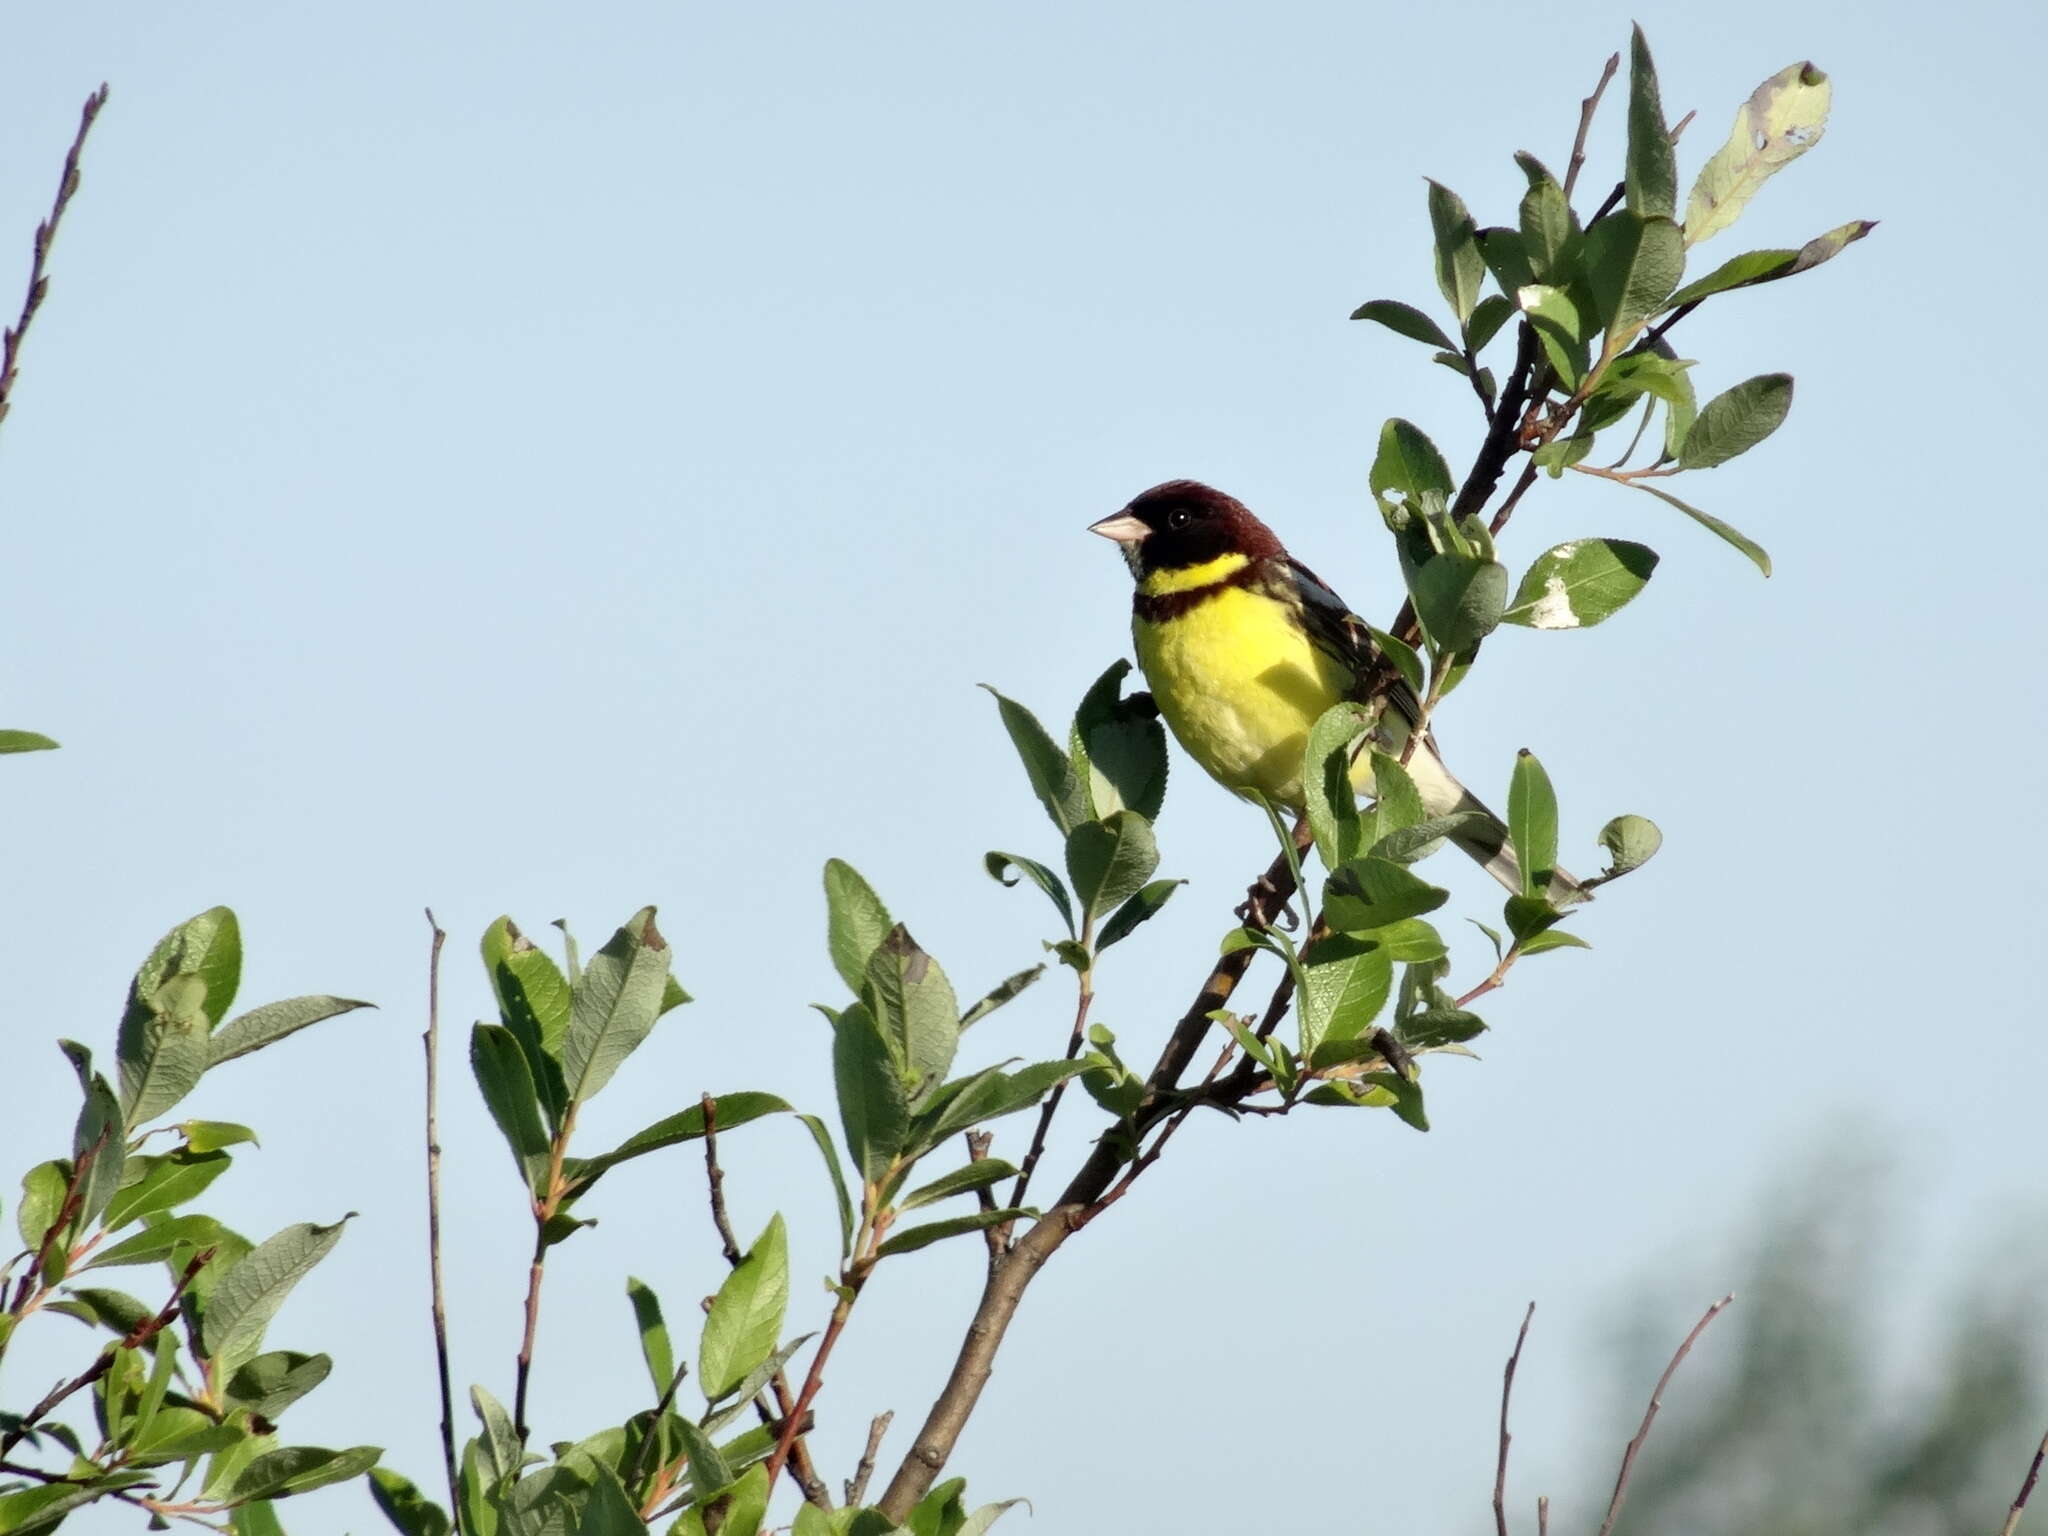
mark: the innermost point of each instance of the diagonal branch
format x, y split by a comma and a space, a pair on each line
2019, 1504
1635, 1446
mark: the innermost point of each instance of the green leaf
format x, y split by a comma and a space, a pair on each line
1754, 267
1408, 463
1560, 327
976, 1175
153, 1184
734, 1110
1633, 265
997, 865
1404, 320
500, 1452
1734, 536
1548, 229
1552, 938
99, 1141
1052, 776
746, 1315
178, 996
1532, 822
1576, 585
43, 1189
1346, 981
114, 1310
1528, 916
1402, 655
202, 1136
1458, 599
617, 1001
855, 921
654, 1343
1507, 257
258, 1519
535, 1001
1396, 803
248, 1295
1369, 893
300, 1469
1459, 270
1435, 1027
1631, 842
1110, 860
913, 1005
1327, 766
273, 1021
410, 1512
269, 1384
506, 1083
914, 1238
1412, 844
1736, 420
709, 1470
1488, 316
874, 1106
741, 1397
1005, 991
25, 741
1652, 179
158, 1240
1142, 906
999, 1093
1782, 119
1118, 748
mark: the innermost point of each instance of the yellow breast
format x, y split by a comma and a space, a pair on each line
1240, 684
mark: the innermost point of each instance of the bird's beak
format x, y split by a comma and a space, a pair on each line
1123, 527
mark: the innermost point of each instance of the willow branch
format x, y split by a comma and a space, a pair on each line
2019, 1504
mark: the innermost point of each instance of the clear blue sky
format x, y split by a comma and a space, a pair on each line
542, 459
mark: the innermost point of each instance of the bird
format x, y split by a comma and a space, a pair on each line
1244, 647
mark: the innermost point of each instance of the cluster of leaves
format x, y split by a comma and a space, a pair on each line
185, 1398
563, 1033
1597, 300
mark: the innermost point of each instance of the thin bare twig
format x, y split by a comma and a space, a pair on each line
1586, 110
801, 1470
1085, 996
432, 1041
714, 1176
2019, 1504
1507, 1390
46, 233
1635, 1446
978, 1143
857, 1485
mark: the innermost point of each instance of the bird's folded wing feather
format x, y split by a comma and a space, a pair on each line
1334, 629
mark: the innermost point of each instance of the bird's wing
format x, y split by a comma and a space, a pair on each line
1333, 628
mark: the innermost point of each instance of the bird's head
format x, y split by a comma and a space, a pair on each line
1184, 523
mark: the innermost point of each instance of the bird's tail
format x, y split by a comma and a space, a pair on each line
1487, 844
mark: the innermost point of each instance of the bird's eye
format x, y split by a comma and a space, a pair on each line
1179, 518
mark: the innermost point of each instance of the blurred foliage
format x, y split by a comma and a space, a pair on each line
1803, 1414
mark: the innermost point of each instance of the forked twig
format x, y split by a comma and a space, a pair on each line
1635, 1446
857, 1485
